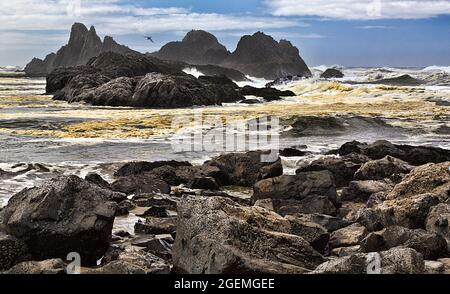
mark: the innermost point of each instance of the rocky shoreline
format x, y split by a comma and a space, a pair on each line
357, 205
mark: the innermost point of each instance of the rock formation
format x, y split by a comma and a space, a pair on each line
261, 56
82, 46
197, 47
258, 55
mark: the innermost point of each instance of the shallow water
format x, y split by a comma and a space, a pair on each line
77, 139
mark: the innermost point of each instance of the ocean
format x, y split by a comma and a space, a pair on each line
41, 138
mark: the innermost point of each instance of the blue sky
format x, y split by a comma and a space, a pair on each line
346, 32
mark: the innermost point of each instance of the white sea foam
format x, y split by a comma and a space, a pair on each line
193, 71
436, 68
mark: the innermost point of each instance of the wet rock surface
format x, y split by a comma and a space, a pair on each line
386, 216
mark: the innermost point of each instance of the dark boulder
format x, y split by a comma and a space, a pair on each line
96, 179
45, 267
269, 94
430, 245
12, 251
245, 169
382, 168
309, 205
415, 155
342, 169
217, 236
438, 221
362, 190
393, 261
332, 73
138, 184
171, 91
205, 183
299, 186
66, 214
156, 226
292, 152
135, 168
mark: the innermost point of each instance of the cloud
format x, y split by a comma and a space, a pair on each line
119, 17
360, 9
376, 27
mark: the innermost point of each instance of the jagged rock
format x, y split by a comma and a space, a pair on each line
46, 267
156, 226
330, 223
125, 207
407, 212
169, 91
131, 260
434, 267
155, 245
309, 205
135, 168
382, 168
415, 155
261, 56
296, 187
197, 47
315, 234
430, 178
83, 45
438, 221
332, 73
342, 169
269, 94
149, 200
155, 211
362, 190
138, 184
217, 236
245, 169
66, 214
346, 251
348, 236
12, 251
430, 245
97, 180
394, 261
117, 92
292, 152
205, 183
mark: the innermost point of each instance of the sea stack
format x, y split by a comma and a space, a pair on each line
83, 45
197, 47
261, 56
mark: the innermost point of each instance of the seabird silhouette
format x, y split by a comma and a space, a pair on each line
150, 39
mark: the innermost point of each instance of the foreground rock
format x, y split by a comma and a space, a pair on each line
414, 155
394, 261
438, 221
66, 214
217, 236
12, 251
430, 245
430, 178
46, 267
298, 187
245, 169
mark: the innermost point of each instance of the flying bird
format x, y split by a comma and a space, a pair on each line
150, 39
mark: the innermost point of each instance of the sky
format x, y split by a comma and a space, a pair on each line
396, 33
